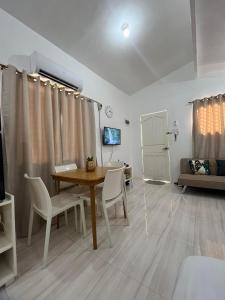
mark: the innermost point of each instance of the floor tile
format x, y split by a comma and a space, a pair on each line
165, 227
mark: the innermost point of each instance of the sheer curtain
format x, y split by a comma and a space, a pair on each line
209, 127
34, 135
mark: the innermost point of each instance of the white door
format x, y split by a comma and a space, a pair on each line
155, 148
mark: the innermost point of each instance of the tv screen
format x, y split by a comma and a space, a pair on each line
111, 136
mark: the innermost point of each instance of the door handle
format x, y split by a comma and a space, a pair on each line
165, 148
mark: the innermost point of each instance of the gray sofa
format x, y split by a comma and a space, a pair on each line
212, 181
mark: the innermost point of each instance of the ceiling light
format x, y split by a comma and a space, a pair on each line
125, 29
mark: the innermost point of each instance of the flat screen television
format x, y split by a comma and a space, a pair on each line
111, 136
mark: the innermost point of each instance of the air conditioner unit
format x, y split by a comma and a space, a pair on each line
37, 63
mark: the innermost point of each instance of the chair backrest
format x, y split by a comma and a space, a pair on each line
67, 167
116, 164
64, 168
39, 194
113, 184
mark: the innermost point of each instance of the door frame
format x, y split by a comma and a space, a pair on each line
168, 142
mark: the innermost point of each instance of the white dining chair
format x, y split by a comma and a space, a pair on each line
113, 191
114, 164
120, 164
47, 208
68, 186
109, 164
81, 192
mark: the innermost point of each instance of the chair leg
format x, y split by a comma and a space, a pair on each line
75, 217
184, 189
66, 217
99, 210
85, 207
81, 223
132, 183
47, 237
125, 209
115, 208
31, 218
82, 217
107, 225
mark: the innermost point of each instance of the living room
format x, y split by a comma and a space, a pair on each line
150, 92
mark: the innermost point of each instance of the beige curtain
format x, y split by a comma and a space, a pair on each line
209, 127
35, 134
78, 129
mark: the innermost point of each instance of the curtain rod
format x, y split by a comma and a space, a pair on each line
206, 98
3, 67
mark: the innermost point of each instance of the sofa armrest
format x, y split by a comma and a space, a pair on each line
184, 166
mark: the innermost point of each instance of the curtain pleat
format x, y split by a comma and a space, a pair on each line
43, 127
209, 128
57, 126
78, 129
26, 125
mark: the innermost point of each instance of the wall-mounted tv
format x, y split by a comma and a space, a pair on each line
111, 136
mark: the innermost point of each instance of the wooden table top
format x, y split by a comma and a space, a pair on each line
82, 176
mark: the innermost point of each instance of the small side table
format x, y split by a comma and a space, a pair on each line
128, 175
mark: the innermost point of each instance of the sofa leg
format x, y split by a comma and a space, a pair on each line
184, 189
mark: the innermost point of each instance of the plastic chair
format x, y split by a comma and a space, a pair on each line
120, 164
67, 186
71, 188
47, 208
114, 164
114, 190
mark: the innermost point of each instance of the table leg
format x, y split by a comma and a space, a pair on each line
93, 217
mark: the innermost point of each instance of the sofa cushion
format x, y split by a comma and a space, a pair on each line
220, 167
201, 278
203, 181
199, 167
185, 167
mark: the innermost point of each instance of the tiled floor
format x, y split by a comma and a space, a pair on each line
165, 227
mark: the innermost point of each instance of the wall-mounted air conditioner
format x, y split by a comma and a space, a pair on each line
38, 63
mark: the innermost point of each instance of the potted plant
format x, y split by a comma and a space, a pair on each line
90, 164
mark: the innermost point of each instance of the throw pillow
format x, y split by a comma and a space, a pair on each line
199, 167
220, 167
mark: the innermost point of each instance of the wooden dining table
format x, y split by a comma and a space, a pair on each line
88, 178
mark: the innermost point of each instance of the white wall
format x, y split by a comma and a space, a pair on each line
172, 93
18, 39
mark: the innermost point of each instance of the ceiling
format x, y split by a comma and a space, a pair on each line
89, 30
209, 35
